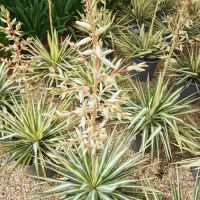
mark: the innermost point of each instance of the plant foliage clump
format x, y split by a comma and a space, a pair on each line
30, 131
162, 121
98, 177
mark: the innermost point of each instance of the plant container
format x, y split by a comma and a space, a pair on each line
195, 173
31, 170
107, 45
136, 28
136, 144
49, 172
162, 15
189, 90
149, 70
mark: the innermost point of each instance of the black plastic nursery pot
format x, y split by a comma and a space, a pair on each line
49, 172
162, 15
30, 169
136, 144
189, 90
149, 70
136, 28
107, 45
195, 173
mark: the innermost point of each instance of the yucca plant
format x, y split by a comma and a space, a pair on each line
187, 66
193, 30
175, 191
145, 45
15, 44
7, 86
166, 6
30, 130
103, 176
164, 121
185, 22
95, 82
48, 61
169, 24
142, 10
194, 8
192, 163
139, 12
17, 60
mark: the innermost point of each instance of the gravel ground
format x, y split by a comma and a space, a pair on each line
166, 173
18, 186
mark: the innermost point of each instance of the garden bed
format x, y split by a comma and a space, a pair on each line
103, 107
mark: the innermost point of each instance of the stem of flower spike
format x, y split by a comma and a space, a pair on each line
96, 63
17, 44
154, 17
180, 25
180, 12
50, 16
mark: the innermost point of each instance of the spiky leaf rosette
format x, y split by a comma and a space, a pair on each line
29, 131
166, 6
164, 121
145, 45
48, 62
138, 12
187, 66
98, 177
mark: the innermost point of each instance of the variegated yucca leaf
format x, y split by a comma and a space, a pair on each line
165, 119
192, 163
7, 86
98, 177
